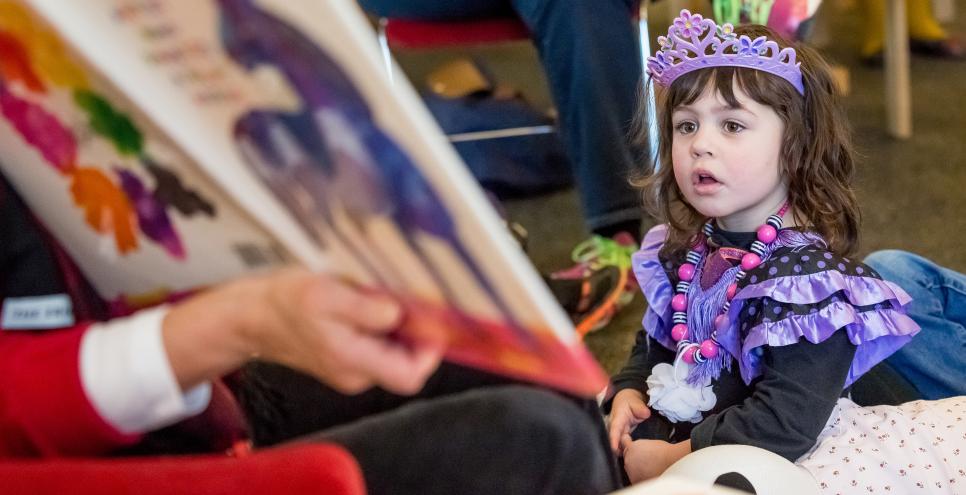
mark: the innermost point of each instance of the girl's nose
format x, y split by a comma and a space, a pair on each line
701, 144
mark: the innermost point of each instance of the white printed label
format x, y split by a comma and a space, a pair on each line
37, 313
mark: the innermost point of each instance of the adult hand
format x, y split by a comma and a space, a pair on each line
646, 459
325, 327
627, 411
311, 322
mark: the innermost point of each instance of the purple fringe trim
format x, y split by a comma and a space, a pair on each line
703, 308
796, 239
655, 286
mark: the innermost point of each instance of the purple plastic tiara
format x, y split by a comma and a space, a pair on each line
694, 42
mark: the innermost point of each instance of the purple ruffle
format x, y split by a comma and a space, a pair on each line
655, 286
875, 333
816, 287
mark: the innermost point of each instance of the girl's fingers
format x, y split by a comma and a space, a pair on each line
626, 442
618, 426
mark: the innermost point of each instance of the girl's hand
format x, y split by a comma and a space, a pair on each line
646, 459
627, 411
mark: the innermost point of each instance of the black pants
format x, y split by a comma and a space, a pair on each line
467, 432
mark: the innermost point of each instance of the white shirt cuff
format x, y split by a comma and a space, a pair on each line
127, 377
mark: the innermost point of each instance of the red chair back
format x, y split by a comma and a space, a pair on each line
297, 469
408, 34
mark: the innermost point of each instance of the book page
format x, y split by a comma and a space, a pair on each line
286, 108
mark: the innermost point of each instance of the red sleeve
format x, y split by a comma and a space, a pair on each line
43, 408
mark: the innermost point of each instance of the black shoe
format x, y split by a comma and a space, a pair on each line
874, 61
950, 48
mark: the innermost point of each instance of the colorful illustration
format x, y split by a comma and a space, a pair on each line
66, 143
285, 106
335, 156
782, 15
116, 204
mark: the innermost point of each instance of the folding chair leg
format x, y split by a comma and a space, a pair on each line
650, 103
465, 136
384, 47
501, 133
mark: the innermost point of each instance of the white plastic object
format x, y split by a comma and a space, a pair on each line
768, 473
673, 485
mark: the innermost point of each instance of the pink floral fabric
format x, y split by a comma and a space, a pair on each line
916, 447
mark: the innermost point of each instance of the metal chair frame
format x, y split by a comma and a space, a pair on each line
649, 104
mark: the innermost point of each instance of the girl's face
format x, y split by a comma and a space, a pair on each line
726, 159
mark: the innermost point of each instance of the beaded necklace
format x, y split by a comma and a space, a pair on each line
697, 353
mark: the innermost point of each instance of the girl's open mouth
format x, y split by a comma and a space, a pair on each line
706, 179
704, 182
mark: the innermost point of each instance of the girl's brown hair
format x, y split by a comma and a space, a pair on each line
817, 157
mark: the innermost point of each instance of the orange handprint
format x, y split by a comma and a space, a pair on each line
106, 208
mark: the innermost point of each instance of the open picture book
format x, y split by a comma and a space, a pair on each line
170, 145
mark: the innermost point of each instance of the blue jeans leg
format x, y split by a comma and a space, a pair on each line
590, 53
437, 10
935, 360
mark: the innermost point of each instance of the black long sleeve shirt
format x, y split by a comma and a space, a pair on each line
783, 410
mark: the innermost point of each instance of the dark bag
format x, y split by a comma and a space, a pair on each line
512, 166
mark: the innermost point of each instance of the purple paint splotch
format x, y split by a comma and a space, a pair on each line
151, 214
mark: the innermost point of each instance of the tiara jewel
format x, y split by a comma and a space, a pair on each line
693, 43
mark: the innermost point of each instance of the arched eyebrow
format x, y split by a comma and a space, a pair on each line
733, 108
720, 109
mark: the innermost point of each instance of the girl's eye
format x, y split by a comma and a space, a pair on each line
686, 127
733, 127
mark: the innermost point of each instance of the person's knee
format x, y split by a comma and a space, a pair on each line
568, 440
896, 264
540, 411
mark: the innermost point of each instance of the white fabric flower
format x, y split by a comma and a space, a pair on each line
674, 398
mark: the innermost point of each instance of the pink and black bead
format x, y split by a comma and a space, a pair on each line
697, 353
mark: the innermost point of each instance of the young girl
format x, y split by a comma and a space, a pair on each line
757, 321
